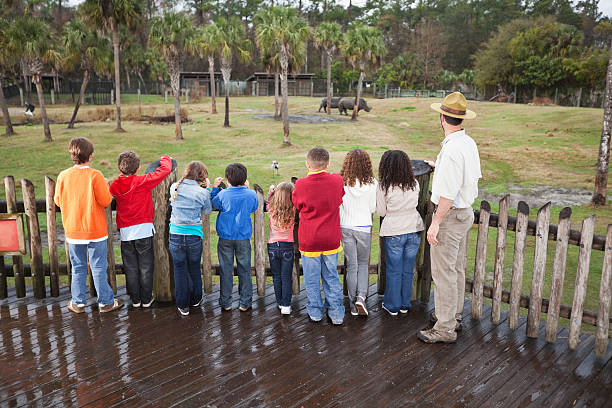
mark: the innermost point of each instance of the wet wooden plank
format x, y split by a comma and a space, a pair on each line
11, 208
259, 242
539, 267
52, 237
480, 259
605, 290
36, 262
500, 253
518, 263
558, 275
598, 392
582, 276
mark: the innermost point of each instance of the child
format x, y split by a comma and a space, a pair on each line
358, 204
396, 200
318, 197
280, 242
235, 203
82, 194
135, 223
189, 199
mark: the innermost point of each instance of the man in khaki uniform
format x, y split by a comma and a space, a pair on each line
454, 189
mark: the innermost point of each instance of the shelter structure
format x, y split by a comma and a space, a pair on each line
262, 84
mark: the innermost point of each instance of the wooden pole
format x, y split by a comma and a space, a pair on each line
582, 275
382, 263
206, 254
3, 280
518, 264
605, 289
481, 259
11, 208
163, 281
259, 242
52, 238
500, 252
426, 279
539, 267
558, 274
110, 250
38, 273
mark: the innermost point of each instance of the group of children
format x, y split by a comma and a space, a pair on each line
334, 212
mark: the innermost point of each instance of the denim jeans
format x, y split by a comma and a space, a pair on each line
98, 263
227, 249
138, 263
186, 251
400, 251
323, 268
356, 245
281, 264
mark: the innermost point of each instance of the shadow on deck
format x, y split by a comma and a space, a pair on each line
154, 357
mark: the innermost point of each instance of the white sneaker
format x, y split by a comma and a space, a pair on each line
285, 310
136, 304
148, 304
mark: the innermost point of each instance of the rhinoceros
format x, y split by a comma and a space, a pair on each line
346, 104
334, 103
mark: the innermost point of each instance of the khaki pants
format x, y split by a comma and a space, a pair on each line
448, 278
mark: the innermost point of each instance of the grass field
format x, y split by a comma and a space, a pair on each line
519, 145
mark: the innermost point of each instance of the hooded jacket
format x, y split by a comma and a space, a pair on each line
358, 204
133, 195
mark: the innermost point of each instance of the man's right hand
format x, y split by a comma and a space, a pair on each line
430, 163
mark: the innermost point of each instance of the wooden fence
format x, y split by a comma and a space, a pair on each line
543, 231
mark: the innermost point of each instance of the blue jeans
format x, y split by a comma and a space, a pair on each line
226, 249
323, 268
281, 264
98, 263
401, 252
186, 251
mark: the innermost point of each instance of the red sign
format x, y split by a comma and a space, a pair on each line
11, 235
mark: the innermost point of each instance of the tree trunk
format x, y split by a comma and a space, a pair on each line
127, 76
43, 109
276, 113
79, 99
144, 86
177, 109
322, 60
284, 62
211, 74
226, 71
5, 114
358, 96
329, 62
26, 83
226, 120
603, 160
115, 29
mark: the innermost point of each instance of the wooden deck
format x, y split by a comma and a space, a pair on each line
154, 357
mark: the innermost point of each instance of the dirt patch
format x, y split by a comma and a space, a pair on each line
300, 118
536, 197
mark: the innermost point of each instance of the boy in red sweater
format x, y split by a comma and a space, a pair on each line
318, 197
135, 223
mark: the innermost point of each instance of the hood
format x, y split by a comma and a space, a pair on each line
359, 190
122, 185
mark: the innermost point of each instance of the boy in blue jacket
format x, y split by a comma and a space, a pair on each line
235, 203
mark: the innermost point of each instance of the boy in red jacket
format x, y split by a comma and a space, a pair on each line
318, 197
135, 223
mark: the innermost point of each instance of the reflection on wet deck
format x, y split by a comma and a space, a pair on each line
154, 357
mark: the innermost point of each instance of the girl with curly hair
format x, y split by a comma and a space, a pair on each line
358, 204
280, 242
396, 200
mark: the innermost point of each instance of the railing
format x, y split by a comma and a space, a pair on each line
502, 222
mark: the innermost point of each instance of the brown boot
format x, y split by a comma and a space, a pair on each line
458, 326
76, 308
117, 304
437, 336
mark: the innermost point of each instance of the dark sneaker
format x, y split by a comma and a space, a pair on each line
436, 336
458, 326
404, 311
76, 308
199, 302
354, 310
226, 309
388, 311
244, 308
314, 319
184, 311
361, 306
117, 304
136, 304
147, 305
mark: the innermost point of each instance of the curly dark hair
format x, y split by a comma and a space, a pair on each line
395, 170
357, 166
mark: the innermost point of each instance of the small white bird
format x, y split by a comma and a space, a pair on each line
274, 167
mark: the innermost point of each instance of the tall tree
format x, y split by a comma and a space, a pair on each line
32, 39
328, 37
283, 31
233, 44
7, 65
111, 14
172, 35
363, 45
428, 45
209, 46
86, 49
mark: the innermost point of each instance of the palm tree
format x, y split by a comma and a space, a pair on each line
172, 35
210, 44
33, 41
232, 43
7, 65
328, 37
362, 45
84, 47
110, 14
283, 31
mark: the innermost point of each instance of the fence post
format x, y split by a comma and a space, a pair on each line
539, 267
500, 253
186, 95
52, 237
206, 255
110, 250
481, 259
21, 96
603, 322
11, 208
163, 282
3, 280
36, 264
522, 221
311, 88
260, 243
382, 263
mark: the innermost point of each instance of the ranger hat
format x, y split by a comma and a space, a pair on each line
454, 105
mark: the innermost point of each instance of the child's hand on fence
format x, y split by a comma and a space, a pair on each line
218, 181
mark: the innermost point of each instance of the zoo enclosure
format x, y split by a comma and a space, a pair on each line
541, 229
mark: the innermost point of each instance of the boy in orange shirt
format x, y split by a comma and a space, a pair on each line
82, 194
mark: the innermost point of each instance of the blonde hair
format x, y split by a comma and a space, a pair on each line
281, 207
195, 170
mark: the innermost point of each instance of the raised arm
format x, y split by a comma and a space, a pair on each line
151, 180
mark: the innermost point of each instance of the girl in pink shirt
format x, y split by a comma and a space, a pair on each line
280, 242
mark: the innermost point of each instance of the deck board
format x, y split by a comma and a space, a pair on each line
51, 357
